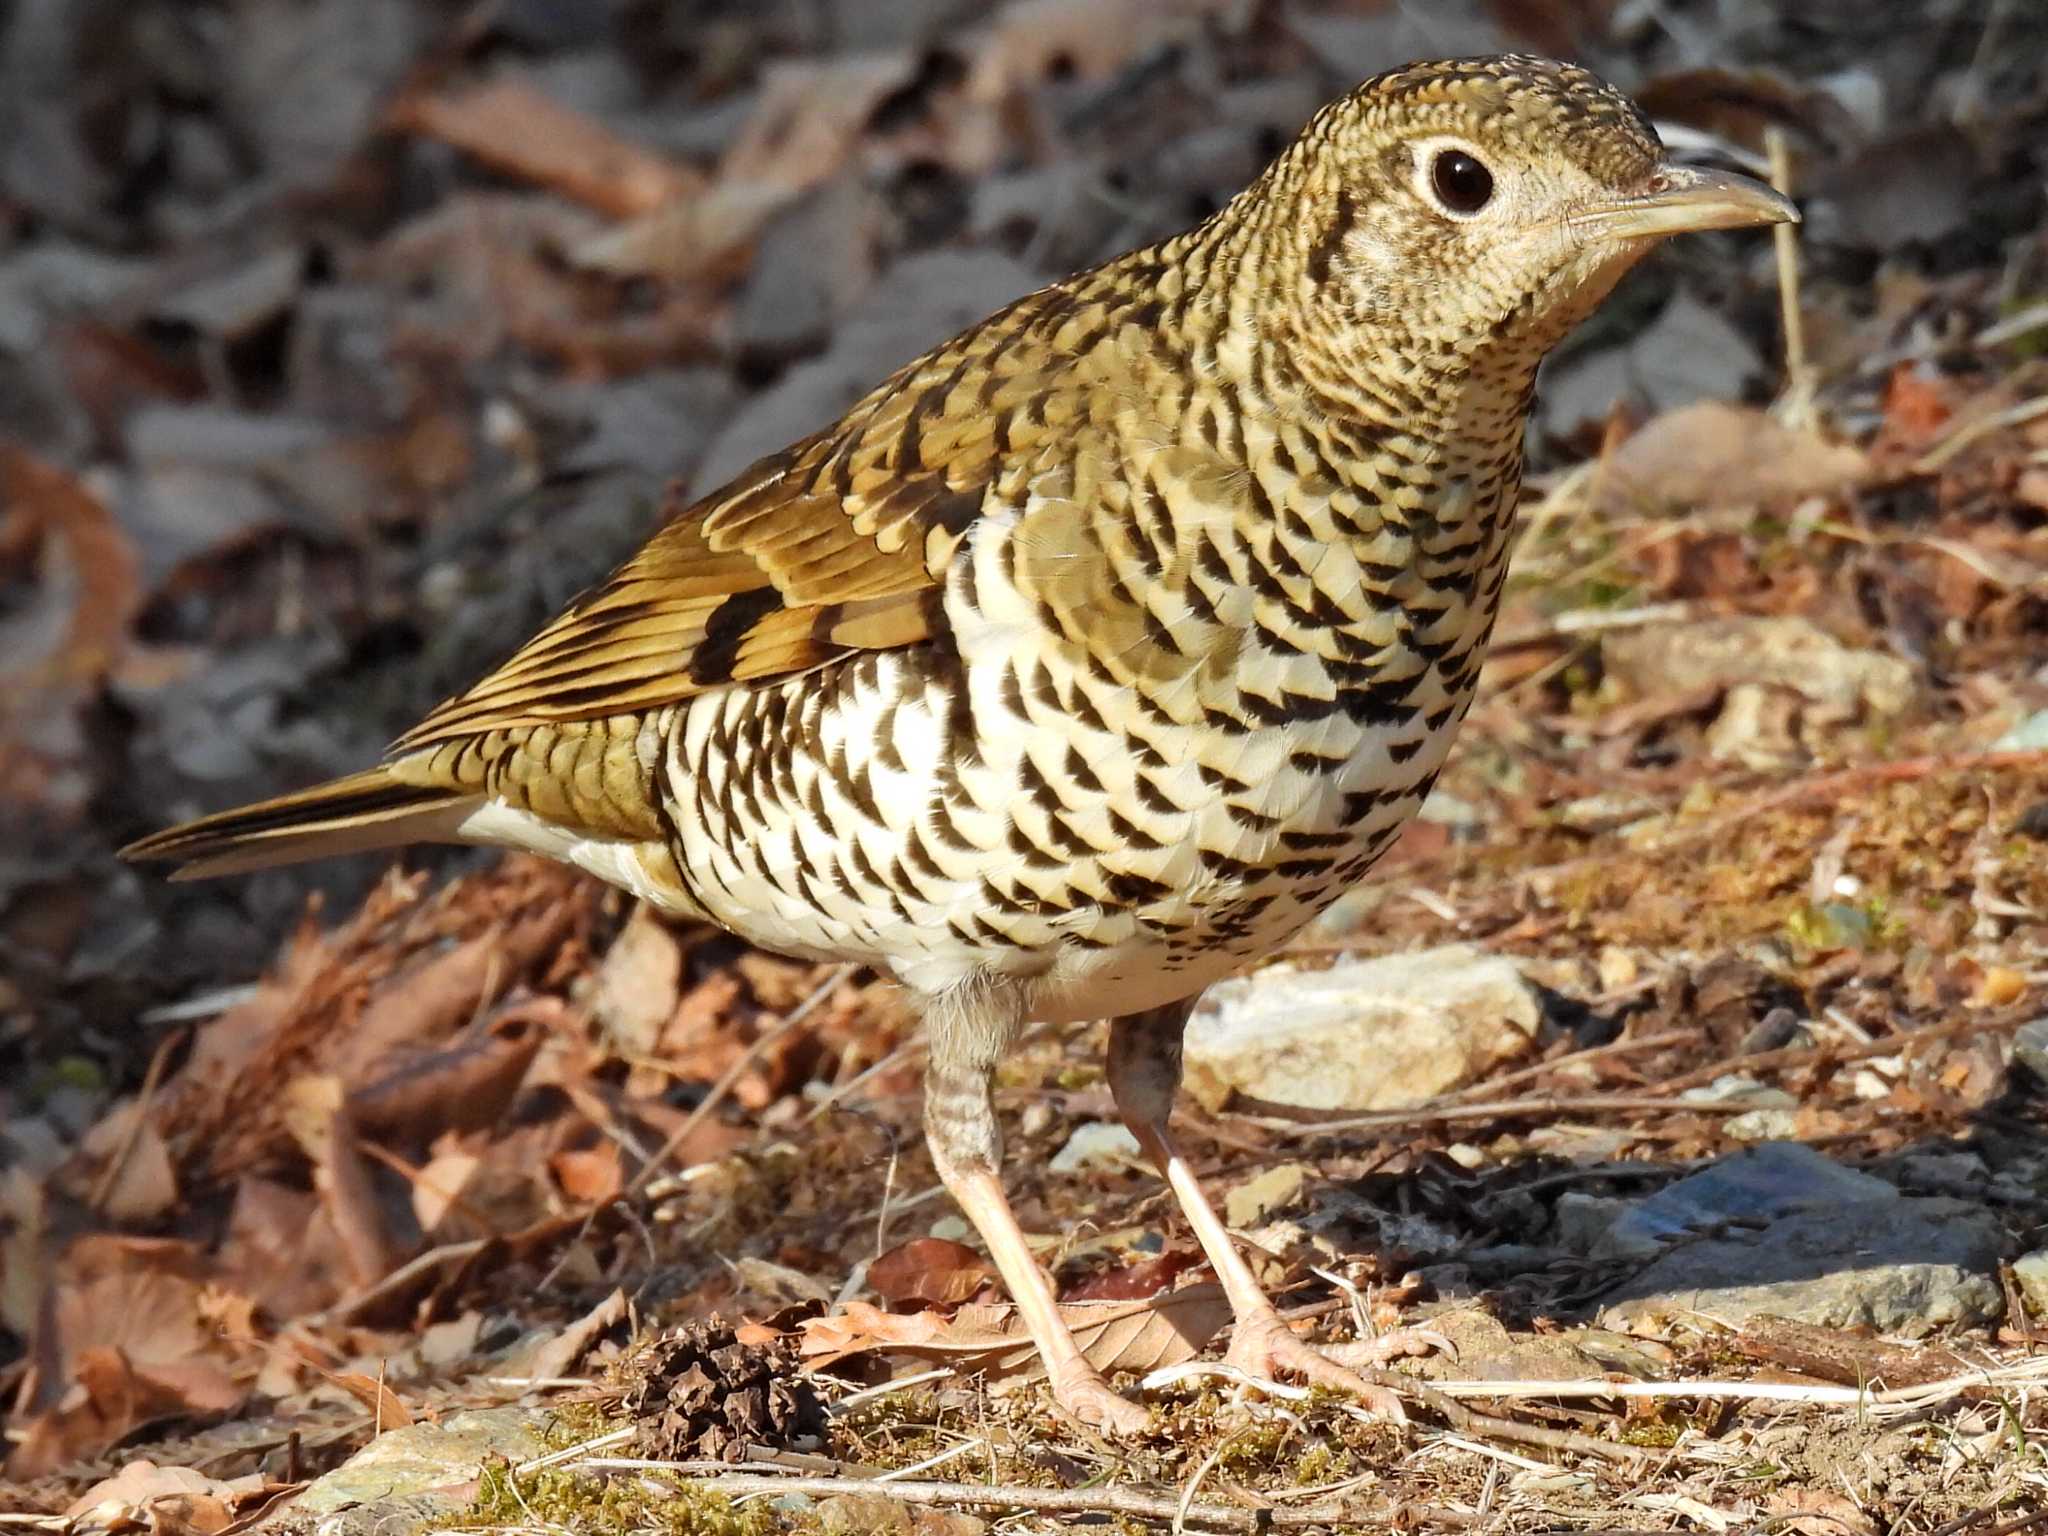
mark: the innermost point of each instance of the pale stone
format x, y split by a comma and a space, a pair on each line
1389, 1033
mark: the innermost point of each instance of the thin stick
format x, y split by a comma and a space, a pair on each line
1785, 244
1983, 426
349, 1308
1305, 1123
1591, 1053
897, 1474
887, 1388
2027, 1372
571, 1453
733, 1074
1596, 621
1194, 1483
897, 1057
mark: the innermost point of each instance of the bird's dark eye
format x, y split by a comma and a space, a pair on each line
1461, 183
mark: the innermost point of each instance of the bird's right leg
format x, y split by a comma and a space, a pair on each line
969, 1028
1144, 1072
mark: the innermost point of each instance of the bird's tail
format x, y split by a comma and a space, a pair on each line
371, 809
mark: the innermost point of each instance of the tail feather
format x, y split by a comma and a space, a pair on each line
363, 811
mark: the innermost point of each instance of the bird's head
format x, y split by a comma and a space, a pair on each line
1487, 204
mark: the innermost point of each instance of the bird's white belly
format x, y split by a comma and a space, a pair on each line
853, 828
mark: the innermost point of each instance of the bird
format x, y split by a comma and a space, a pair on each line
1091, 655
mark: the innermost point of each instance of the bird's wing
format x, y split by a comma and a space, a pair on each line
837, 544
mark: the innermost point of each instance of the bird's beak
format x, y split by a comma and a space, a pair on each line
1683, 199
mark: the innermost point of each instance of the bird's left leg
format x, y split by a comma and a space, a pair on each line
1144, 1073
969, 1029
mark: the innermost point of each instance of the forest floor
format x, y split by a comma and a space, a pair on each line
341, 341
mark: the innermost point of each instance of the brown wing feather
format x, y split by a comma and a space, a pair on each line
829, 547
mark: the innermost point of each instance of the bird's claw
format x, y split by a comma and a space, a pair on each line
1090, 1399
1395, 1344
1265, 1347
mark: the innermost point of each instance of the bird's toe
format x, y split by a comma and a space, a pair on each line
1091, 1400
1267, 1349
1395, 1344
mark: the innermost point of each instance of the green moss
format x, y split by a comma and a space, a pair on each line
1255, 1450
1321, 1462
579, 1502
573, 1423
1865, 925
1652, 1434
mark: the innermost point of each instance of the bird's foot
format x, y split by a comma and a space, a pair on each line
1084, 1394
1263, 1346
1394, 1344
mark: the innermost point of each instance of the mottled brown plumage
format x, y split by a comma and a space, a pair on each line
1095, 652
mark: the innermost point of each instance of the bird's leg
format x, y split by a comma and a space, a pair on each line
969, 1030
1144, 1072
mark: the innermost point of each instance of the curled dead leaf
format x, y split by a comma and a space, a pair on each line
161, 1501
929, 1270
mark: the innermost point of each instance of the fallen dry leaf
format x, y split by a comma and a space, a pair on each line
376, 1397
930, 1270
590, 1177
132, 1173
420, 1005
162, 1501
808, 119
1917, 404
1032, 39
558, 1356
515, 128
91, 585
637, 984
126, 1342
437, 1188
1718, 455
1113, 1336
316, 1112
1816, 1512
466, 1087
1133, 1282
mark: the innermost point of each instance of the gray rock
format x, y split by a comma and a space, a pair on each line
2030, 735
1365, 1034
1777, 1179
1779, 651
1962, 1175
1761, 1125
2030, 1048
1265, 1193
1773, 1119
1897, 1265
1096, 1144
307, 77
236, 300
414, 1461
1689, 353
1581, 1222
53, 277
2031, 1275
